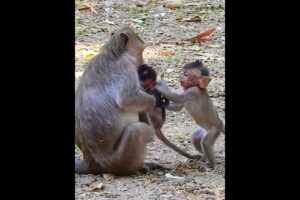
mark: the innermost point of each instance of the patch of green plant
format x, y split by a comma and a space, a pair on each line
137, 10
182, 137
81, 31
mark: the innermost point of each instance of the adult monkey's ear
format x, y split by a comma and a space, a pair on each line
124, 38
204, 81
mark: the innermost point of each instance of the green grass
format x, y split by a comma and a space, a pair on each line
182, 137
81, 31
137, 10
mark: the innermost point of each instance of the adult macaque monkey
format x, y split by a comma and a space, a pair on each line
195, 99
107, 105
147, 76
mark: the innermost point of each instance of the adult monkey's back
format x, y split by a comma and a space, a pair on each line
107, 102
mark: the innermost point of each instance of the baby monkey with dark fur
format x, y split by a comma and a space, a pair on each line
194, 97
147, 76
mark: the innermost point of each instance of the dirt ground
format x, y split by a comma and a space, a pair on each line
163, 25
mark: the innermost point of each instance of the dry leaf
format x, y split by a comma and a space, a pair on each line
139, 4
178, 19
190, 190
109, 22
148, 181
162, 76
165, 53
152, 1
214, 45
173, 6
109, 177
97, 188
189, 19
201, 35
89, 56
85, 8
182, 168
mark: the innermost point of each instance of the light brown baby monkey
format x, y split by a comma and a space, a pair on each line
195, 99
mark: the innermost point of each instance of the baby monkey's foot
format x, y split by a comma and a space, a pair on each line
206, 165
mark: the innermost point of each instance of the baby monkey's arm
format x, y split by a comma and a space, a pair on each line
174, 107
178, 99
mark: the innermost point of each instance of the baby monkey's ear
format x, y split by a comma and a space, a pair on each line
204, 81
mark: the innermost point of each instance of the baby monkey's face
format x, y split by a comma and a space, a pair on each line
193, 77
149, 85
189, 78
